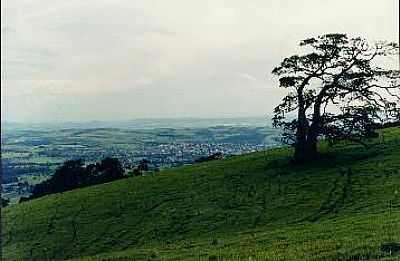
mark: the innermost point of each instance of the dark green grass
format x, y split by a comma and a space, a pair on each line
253, 207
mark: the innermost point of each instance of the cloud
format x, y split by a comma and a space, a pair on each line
104, 59
248, 77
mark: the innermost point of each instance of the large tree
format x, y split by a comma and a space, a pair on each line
340, 87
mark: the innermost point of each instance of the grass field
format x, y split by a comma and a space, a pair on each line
252, 207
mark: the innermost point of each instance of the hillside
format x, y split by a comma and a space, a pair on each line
258, 206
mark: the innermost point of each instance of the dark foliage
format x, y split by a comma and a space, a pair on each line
338, 91
74, 174
214, 156
144, 165
136, 172
108, 170
392, 248
4, 202
23, 199
388, 125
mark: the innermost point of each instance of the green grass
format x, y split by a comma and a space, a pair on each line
252, 207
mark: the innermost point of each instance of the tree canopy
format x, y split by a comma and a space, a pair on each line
74, 174
340, 87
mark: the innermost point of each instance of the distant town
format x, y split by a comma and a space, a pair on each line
30, 156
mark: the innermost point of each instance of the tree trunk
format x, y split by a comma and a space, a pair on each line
302, 129
312, 147
306, 150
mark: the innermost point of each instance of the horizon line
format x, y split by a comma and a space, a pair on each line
136, 119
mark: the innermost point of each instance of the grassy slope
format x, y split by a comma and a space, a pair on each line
342, 206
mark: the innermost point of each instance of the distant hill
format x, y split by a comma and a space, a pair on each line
252, 207
150, 123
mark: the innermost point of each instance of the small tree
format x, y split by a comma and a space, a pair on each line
136, 172
143, 165
338, 91
110, 169
4, 202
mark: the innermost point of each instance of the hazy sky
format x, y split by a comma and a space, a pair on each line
122, 59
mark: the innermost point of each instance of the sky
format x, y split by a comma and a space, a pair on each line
123, 59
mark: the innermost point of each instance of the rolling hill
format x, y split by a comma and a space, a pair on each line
258, 206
